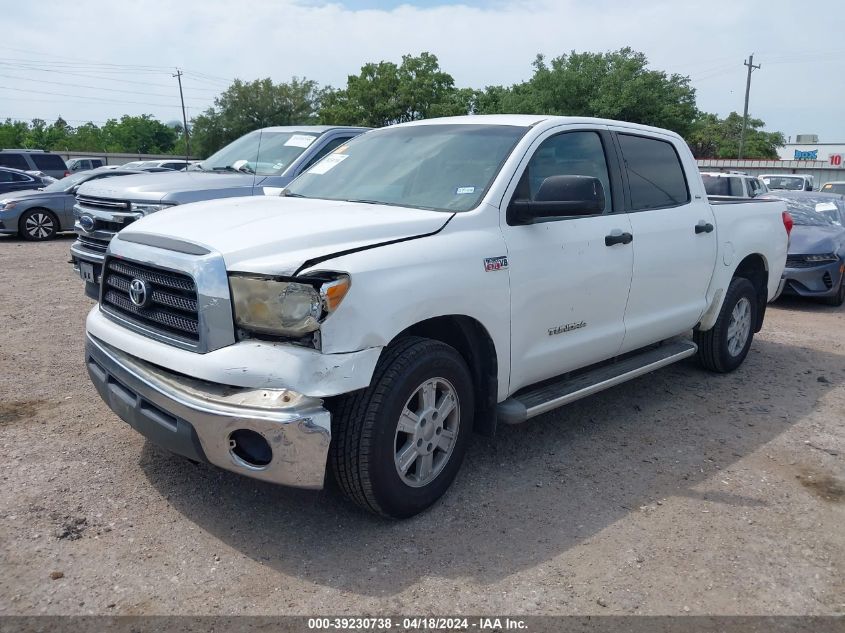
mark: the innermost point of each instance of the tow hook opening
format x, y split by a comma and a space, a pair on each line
250, 447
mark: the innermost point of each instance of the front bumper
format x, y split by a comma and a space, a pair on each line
196, 418
80, 254
817, 281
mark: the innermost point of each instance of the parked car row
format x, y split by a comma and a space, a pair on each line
39, 213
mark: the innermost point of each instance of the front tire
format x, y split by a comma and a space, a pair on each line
723, 347
38, 225
397, 446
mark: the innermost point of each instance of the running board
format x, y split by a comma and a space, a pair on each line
551, 396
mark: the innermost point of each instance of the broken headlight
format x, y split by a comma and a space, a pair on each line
265, 305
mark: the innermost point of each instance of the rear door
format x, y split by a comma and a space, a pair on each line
568, 287
674, 246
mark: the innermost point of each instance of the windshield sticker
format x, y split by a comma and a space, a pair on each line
328, 163
278, 165
300, 140
462, 190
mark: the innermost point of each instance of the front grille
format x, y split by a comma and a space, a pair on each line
103, 204
92, 244
172, 308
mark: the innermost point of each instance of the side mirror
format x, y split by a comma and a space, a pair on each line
560, 196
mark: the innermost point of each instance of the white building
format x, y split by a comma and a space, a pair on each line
807, 147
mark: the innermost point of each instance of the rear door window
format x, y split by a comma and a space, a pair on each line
15, 161
655, 175
48, 161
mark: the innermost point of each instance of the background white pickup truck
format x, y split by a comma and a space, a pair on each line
422, 281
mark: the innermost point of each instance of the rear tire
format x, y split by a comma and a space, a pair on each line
38, 225
723, 347
397, 445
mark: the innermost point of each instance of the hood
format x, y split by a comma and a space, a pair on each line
276, 236
815, 240
178, 187
28, 194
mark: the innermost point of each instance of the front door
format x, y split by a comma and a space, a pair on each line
568, 287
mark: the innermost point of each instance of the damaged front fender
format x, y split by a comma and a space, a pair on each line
252, 364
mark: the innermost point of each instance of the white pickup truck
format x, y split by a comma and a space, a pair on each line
422, 282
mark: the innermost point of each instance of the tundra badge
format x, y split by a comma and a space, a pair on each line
561, 329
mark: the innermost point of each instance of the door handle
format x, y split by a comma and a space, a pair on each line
618, 238
703, 227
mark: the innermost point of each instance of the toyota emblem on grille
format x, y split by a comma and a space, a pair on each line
138, 293
87, 223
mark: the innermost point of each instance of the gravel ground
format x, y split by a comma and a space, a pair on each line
680, 492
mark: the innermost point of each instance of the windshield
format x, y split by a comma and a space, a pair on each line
790, 183
834, 187
66, 183
442, 167
277, 151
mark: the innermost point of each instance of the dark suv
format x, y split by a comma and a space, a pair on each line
34, 160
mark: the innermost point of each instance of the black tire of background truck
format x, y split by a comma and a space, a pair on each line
839, 298
44, 219
713, 351
364, 427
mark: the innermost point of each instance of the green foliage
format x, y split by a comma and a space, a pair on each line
712, 137
386, 93
131, 134
613, 85
247, 106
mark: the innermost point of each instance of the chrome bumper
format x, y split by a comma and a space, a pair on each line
197, 419
78, 251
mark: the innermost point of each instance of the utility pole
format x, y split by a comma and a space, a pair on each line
178, 76
751, 68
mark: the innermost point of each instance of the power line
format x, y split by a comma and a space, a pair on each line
90, 76
61, 83
98, 100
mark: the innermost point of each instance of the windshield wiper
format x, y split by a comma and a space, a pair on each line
243, 169
362, 201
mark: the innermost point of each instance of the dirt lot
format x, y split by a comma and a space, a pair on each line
680, 492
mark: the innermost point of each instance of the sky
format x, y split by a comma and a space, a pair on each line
91, 60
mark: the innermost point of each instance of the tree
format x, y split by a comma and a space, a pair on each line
712, 137
247, 106
614, 85
142, 134
13, 133
386, 93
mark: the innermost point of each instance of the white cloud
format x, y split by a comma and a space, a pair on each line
799, 88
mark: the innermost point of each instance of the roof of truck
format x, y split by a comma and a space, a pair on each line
310, 128
530, 120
